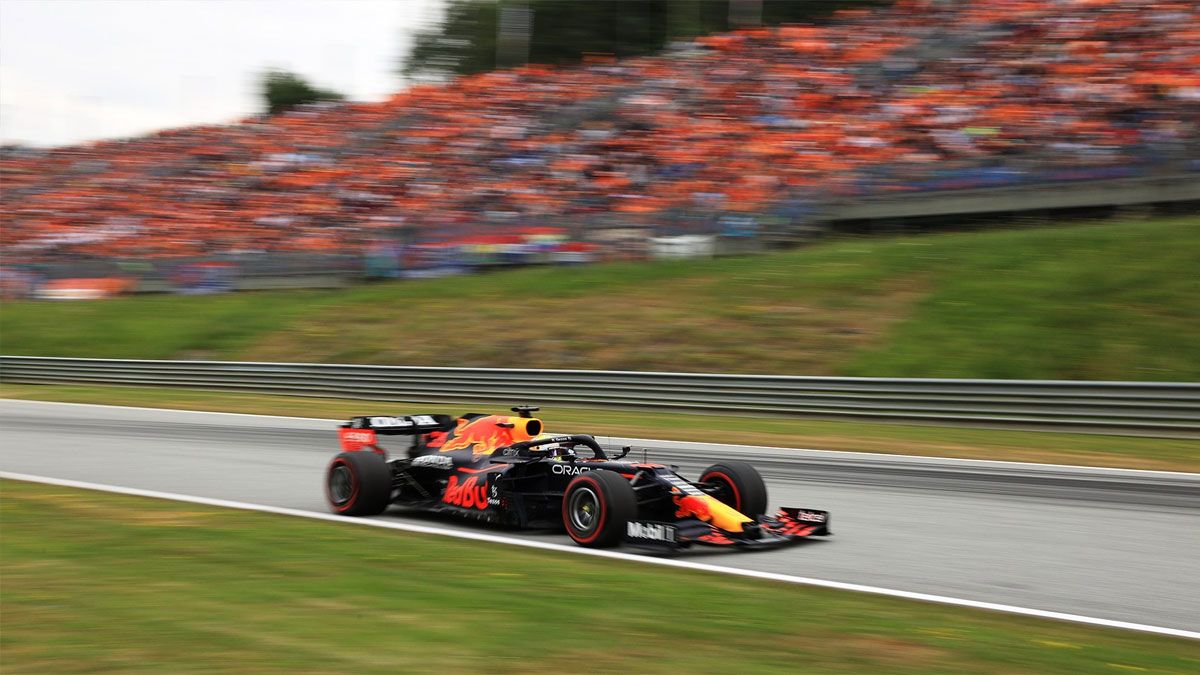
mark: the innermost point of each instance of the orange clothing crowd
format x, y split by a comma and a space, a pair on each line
735, 123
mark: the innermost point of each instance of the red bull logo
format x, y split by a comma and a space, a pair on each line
471, 494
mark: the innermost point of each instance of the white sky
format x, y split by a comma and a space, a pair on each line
75, 70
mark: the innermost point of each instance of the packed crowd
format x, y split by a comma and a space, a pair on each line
738, 123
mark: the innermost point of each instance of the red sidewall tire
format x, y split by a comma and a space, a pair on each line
370, 484
616, 505
730, 485
601, 503
354, 485
744, 489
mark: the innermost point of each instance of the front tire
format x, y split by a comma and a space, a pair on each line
358, 484
596, 508
739, 485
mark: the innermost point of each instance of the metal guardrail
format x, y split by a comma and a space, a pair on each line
1022, 197
1149, 408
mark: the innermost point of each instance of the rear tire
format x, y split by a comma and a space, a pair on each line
358, 484
596, 508
739, 485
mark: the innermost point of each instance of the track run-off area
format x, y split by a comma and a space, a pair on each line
1104, 546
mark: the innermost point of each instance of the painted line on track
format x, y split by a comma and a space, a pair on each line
614, 555
848, 454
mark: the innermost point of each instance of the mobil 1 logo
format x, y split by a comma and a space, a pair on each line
658, 533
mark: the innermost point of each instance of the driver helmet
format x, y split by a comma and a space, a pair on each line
558, 451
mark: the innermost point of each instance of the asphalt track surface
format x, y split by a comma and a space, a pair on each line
1120, 545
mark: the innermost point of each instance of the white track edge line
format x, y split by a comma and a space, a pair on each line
182, 410
848, 453
615, 555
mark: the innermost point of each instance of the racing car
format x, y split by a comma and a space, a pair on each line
504, 469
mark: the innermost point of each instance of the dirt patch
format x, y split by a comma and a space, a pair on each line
893, 652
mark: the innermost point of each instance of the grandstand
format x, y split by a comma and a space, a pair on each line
729, 134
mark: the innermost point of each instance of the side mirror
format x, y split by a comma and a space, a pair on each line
624, 451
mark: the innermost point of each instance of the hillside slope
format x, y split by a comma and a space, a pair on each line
1106, 301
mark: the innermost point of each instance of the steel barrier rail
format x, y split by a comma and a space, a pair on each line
1147, 408
1128, 191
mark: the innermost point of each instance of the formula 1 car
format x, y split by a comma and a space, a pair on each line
504, 469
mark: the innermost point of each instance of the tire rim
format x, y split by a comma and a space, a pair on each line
341, 484
724, 492
584, 509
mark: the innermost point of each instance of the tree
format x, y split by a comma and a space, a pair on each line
476, 35
463, 42
283, 90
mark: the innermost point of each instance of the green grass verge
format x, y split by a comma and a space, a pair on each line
101, 582
910, 439
1100, 301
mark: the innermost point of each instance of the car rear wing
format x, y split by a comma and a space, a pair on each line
401, 425
360, 432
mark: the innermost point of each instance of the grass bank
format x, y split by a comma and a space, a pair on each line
95, 581
910, 439
1100, 301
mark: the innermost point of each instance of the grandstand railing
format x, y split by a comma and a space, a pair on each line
1136, 408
